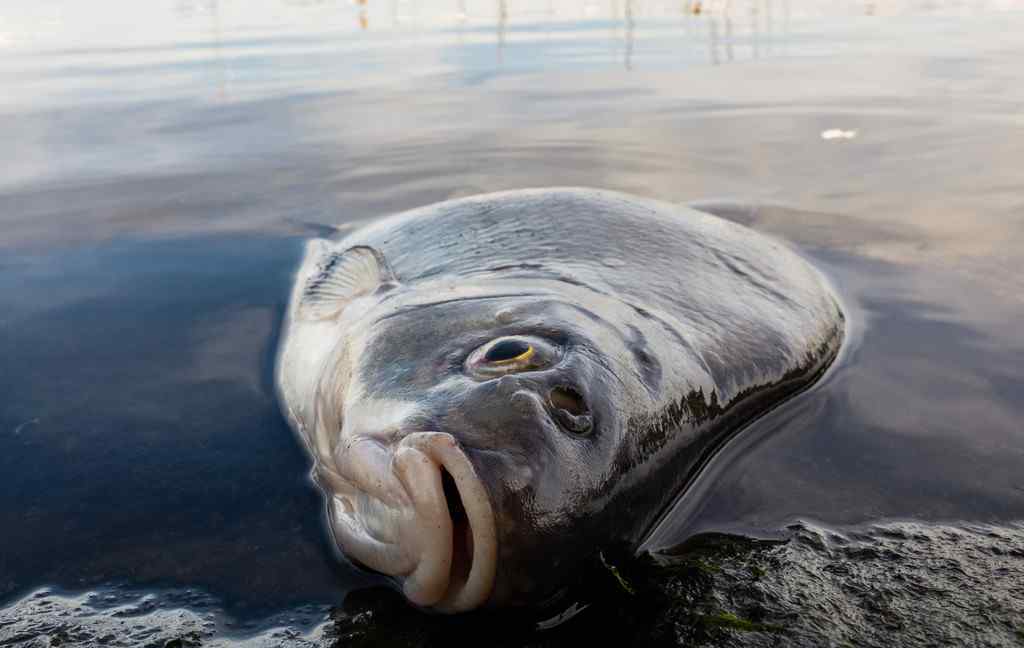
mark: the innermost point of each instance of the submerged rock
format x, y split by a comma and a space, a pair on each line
906, 583
900, 583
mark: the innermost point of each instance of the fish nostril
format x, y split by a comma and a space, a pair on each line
570, 410
568, 399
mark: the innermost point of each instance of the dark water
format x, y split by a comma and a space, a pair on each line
164, 162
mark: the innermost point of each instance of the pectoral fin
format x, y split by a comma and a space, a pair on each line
338, 277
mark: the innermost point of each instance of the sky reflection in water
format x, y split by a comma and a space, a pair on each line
163, 163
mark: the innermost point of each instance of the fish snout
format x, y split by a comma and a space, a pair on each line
418, 511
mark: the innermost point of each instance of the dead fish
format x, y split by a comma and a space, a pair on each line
493, 388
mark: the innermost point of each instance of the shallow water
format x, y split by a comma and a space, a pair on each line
163, 164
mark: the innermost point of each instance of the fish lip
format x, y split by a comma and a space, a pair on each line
473, 588
402, 524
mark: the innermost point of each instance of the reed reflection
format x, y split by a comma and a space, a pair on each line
638, 34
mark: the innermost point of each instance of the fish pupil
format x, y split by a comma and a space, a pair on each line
506, 350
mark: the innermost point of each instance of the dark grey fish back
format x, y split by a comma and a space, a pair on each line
729, 291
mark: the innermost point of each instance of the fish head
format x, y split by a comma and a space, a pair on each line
467, 433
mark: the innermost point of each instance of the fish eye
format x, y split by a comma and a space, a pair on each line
511, 354
509, 351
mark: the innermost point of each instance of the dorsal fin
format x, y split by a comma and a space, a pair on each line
341, 276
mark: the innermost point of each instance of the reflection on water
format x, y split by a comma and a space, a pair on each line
241, 50
164, 162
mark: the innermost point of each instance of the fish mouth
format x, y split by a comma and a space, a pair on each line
418, 512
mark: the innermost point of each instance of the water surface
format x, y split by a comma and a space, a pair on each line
163, 163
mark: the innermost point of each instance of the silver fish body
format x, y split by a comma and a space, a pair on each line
495, 387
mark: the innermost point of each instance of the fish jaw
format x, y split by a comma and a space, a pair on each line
418, 512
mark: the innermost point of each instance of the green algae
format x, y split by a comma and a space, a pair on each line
733, 622
617, 575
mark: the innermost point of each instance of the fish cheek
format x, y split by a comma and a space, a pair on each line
540, 549
544, 480
531, 557
547, 522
